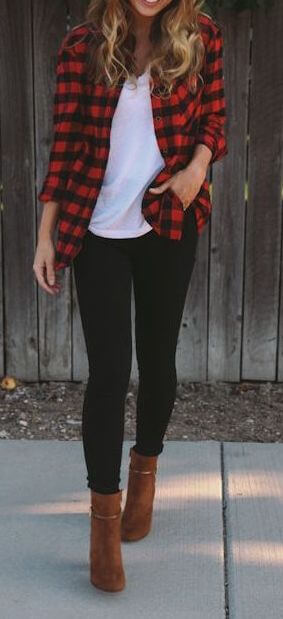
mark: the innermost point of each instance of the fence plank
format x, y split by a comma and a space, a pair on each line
264, 213
228, 215
2, 326
280, 331
280, 344
191, 355
55, 345
77, 10
21, 354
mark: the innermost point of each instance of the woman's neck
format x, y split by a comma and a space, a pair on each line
142, 26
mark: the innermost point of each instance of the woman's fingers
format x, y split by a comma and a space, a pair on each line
40, 273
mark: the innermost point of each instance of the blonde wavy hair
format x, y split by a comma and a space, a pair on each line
177, 45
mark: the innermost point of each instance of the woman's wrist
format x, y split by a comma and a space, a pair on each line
201, 158
48, 221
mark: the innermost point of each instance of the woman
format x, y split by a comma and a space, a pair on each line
139, 114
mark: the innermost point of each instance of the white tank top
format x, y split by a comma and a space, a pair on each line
133, 162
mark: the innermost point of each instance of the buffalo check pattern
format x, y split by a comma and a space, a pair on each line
82, 116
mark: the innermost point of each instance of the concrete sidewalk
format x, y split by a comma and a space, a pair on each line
218, 518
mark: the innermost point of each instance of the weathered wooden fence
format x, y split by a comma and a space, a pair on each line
232, 327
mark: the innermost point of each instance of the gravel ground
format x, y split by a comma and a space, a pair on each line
245, 411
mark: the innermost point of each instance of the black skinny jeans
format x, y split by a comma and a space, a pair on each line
104, 269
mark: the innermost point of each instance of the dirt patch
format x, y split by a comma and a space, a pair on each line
246, 411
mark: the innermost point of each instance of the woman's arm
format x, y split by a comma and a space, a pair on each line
210, 142
213, 113
67, 123
67, 136
48, 220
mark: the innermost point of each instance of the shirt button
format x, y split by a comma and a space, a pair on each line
158, 118
164, 151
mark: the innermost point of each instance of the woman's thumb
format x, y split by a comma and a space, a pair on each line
50, 275
160, 188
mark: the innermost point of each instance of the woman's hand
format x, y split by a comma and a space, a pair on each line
43, 265
185, 183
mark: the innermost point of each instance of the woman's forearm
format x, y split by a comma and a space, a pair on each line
49, 219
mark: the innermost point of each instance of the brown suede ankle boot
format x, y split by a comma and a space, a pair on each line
106, 568
137, 515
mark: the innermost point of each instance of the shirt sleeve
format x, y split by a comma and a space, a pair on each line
67, 123
211, 130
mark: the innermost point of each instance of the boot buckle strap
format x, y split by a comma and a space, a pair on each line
102, 517
143, 472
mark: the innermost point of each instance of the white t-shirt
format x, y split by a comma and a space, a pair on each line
133, 162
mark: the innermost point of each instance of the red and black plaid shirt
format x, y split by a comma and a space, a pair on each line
82, 116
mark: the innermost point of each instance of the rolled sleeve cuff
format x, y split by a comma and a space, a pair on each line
49, 191
218, 147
